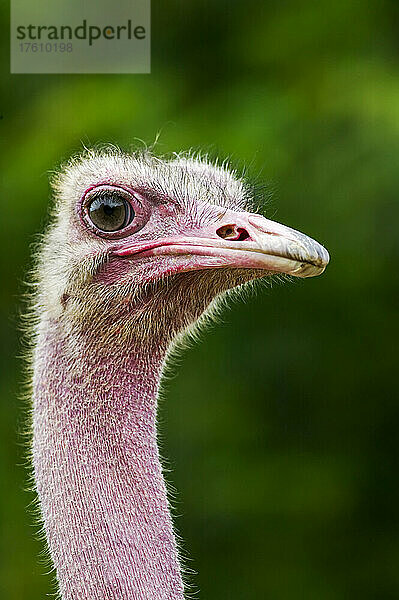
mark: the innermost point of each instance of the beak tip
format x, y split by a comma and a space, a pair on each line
316, 263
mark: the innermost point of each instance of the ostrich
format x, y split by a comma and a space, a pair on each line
140, 251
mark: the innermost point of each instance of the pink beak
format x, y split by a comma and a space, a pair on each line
239, 240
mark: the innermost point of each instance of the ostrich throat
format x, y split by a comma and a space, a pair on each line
97, 467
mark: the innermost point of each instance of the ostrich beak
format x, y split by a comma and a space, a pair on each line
239, 240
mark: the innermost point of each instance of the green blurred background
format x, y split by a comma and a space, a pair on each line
281, 425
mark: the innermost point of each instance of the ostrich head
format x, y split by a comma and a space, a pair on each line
142, 246
139, 249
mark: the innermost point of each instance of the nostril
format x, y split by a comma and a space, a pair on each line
232, 232
244, 235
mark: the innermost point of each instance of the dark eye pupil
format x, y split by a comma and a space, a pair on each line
110, 212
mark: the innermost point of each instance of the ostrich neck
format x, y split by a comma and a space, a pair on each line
97, 469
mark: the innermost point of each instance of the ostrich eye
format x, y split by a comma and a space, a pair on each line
110, 212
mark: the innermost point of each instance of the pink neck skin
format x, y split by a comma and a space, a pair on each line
98, 473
